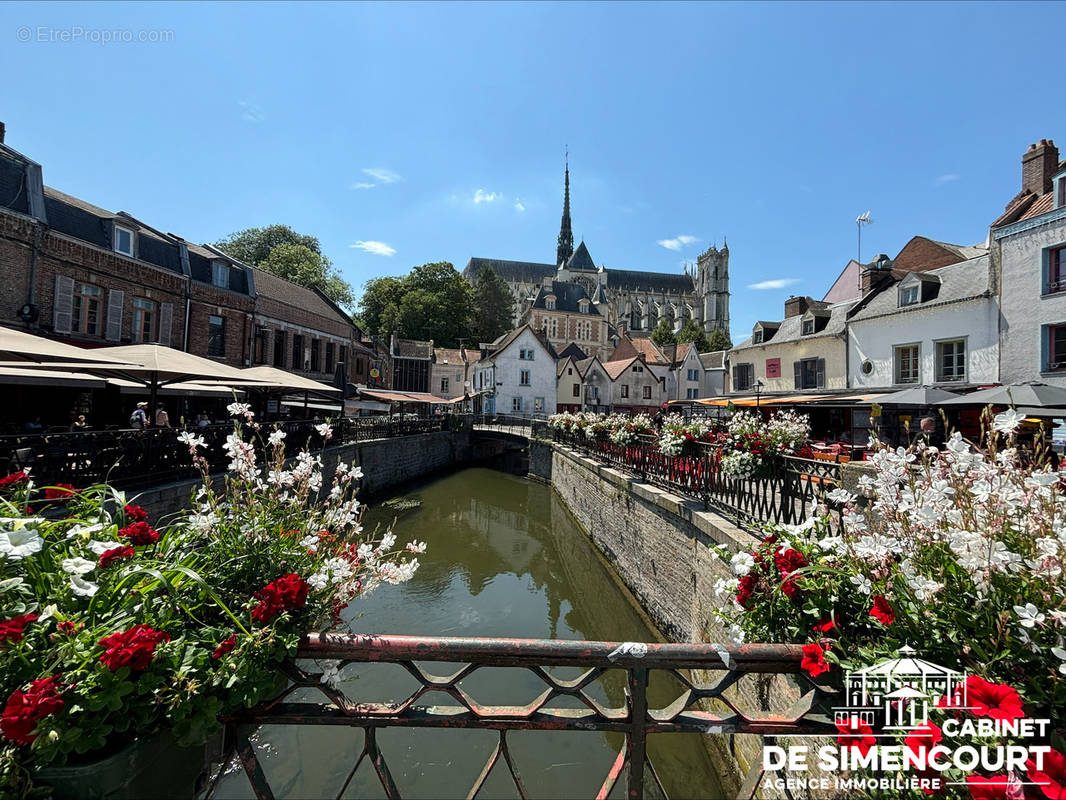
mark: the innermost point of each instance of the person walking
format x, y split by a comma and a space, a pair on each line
162, 419
139, 417
79, 424
928, 434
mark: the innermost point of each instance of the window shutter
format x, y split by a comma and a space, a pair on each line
736, 378
63, 304
797, 374
166, 319
115, 298
821, 373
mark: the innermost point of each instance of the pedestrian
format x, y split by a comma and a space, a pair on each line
203, 420
162, 419
139, 417
79, 423
928, 434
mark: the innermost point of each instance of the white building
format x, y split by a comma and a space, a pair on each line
635, 385
1029, 242
688, 373
939, 326
516, 374
582, 385
713, 373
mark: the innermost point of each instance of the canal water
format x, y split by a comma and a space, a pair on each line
505, 558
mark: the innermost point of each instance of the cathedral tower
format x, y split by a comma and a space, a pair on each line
565, 248
712, 288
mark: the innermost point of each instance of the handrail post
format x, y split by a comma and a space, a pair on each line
638, 711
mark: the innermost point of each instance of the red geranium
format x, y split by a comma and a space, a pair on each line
994, 788
814, 659
856, 733
287, 593
996, 700
25, 709
744, 590
136, 514
59, 491
788, 561
922, 737
139, 533
225, 646
14, 479
882, 611
132, 648
12, 628
1052, 778
109, 557
68, 627
824, 627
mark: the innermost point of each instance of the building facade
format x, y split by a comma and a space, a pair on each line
631, 298
635, 386
1029, 248
411, 361
450, 372
517, 374
567, 315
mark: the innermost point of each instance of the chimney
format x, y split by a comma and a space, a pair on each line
2, 131
1039, 163
874, 272
795, 306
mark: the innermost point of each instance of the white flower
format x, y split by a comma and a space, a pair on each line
862, 583
924, 588
1060, 654
324, 430
102, 547
725, 586
191, 439
276, 438
310, 542
240, 410
1008, 421
79, 530
19, 543
387, 541
1030, 615
82, 587
1058, 616
78, 565
839, 496
742, 563
416, 547
1042, 479
736, 634
331, 674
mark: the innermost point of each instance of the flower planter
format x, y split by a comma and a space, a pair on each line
152, 767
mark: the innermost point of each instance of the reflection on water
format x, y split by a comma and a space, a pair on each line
504, 559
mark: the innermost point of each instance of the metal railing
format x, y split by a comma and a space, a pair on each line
786, 490
699, 707
130, 459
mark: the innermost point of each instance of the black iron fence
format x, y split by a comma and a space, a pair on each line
131, 459
702, 705
784, 490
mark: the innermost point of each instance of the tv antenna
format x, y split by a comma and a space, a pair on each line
862, 219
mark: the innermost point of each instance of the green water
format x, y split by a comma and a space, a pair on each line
505, 559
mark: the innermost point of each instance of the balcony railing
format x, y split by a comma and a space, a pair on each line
788, 492
702, 704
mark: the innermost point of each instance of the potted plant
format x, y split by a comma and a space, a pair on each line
120, 638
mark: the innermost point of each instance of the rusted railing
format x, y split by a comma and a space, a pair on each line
786, 490
704, 708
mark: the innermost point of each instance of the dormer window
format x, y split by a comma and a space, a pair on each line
583, 306
1060, 191
808, 326
220, 274
549, 302
123, 241
910, 295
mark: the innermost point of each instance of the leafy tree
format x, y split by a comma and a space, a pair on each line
296, 257
493, 304
718, 340
432, 302
663, 334
692, 331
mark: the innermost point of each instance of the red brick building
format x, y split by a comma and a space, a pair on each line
74, 271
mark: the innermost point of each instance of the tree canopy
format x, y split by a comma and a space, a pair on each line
296, 257
494, 304
718, 340
663, 334
433, 302
692, 331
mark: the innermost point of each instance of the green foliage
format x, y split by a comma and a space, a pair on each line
296, 257
493, 303
432, 302
718, 340
692, 331
663, 334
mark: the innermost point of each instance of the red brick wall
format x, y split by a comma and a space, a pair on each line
921, 254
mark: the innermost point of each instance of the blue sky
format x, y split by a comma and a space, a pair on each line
774, 125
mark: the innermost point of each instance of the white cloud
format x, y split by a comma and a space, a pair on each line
518, 205
382, 175
250, 112
363, 185
946, 178
481, 196
776, 283
377, 248
677, 243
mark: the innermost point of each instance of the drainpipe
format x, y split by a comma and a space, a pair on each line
31, 292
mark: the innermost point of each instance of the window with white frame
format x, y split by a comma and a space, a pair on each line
583, 306
907, 368
647, 393
554, 328
910, 295
756, 337
444, 384
86, 309
692, 394
123, 242
625, 390
693, 375
577, 390
808, 327
144, 320
549, 303
523, 377
951, 361
220, 274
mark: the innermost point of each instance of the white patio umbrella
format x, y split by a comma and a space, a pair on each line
25, 349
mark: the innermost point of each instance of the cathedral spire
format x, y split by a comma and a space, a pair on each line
565, 248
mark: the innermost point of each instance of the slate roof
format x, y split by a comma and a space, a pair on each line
791, 329
517, 271
505, 340
413, 348
713, 360
78, 203
649, 281
966, 280
581, 259
567, 297
283, 291
573, 351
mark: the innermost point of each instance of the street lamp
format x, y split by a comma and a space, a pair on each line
758, 389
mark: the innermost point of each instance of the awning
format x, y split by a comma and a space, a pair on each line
365, 405
279, 378
763, 400
40, 377
182, 389
317, 406
403, 397
22, 346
